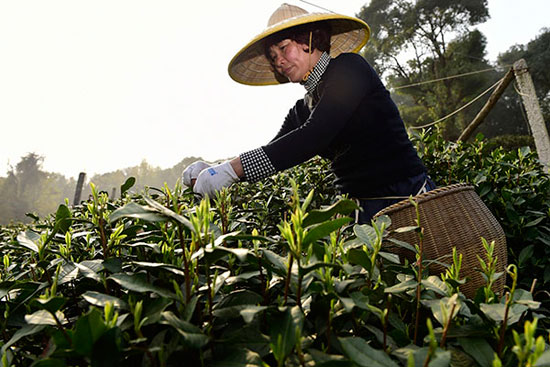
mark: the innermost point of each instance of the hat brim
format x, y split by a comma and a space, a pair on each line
250, 66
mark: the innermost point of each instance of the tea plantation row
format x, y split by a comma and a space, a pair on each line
274, 274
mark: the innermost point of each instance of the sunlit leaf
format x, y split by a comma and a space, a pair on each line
43, 317
402, 244
168, 267
344, 207
136, 211
101, 299
365, 233
324, 229
402, 287
28, 239
168, 213
435, 284
497, 311
87, 272
68, 272
251, 311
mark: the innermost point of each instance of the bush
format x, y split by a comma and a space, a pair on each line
515, 187
273, 274
513, 142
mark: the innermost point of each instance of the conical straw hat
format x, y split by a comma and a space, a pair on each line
250, 66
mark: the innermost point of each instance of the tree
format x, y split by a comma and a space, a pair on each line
508, 113
8, 199
416, 41
28, 189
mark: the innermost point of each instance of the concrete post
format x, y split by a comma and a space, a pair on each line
534, 114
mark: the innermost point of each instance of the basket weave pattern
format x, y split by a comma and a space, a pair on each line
452, 216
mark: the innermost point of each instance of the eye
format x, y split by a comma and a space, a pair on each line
283, 45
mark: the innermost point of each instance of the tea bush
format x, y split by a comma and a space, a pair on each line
271, 274
514, 186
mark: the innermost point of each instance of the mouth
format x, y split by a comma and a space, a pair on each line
287, 70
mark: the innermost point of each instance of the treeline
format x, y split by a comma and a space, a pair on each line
28, 191
448, 65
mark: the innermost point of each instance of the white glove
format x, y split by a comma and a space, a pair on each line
192, 171
215, 178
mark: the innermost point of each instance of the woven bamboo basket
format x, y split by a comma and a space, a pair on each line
452, 216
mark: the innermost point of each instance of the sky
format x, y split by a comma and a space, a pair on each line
96, 86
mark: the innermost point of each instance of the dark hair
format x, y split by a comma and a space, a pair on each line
320, 36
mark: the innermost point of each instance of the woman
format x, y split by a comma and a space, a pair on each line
347, 115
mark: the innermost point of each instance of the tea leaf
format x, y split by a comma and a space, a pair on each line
192, 335
402, 287
544, 360
168, 213
283, 329
324, 229
365, 233
240, 358
344, 207
136, 211
360, 352
130, 181
479, 349
137, 283
52, 304
100, 300
307, 269
170, 268
87, 272
402, 244
43, 317
88, 330
276, 260
28, 239
62, 219
24, 331
360, 257
249, 312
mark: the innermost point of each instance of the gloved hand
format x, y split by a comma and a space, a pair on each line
191, 172
215, 178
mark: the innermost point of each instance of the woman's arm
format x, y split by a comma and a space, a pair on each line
237, 166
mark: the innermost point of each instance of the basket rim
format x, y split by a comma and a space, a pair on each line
424, 197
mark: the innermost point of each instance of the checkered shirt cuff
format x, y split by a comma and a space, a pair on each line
256, 165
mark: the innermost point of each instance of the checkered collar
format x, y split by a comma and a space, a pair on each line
311, 83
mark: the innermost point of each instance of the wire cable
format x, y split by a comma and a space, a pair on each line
317, 6
448, 77
460, 109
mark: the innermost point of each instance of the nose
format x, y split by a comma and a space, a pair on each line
278, 60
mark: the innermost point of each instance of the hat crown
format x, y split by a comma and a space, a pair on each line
285, 12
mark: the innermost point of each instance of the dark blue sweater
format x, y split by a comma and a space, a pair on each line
350, 119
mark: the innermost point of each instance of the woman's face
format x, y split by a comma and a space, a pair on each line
291, 59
